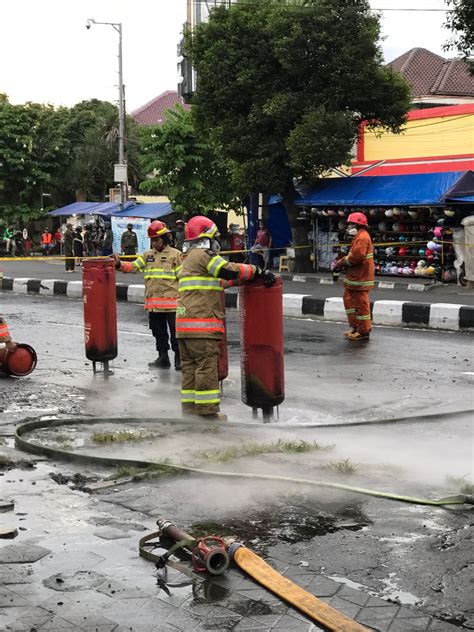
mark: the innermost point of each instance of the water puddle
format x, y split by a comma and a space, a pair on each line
393, 593
284, 522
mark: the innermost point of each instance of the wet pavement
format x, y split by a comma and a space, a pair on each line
74, 563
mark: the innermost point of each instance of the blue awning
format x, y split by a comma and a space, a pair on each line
421, 189
109, 209
151, 211
76, 208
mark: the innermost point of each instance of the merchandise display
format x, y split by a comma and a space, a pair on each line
409, 242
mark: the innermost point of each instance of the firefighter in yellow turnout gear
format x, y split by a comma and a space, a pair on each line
160, 267
200, 316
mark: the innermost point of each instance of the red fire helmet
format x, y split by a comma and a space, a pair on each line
199, 227
357, 218
157, 228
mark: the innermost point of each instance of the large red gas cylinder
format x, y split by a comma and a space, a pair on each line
20, 362
223, 359
100, 309
261, 327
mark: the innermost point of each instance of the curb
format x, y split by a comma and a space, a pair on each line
383, 285
440, 316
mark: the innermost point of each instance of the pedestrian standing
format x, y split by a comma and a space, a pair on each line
88, 241
359, 278
261, 247
179, 234
57, 238
78, 245
107, 241
160, 266
68, 239
200, 316
5, 337
129, 241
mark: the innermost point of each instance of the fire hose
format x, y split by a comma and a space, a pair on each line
36, 448
213, 554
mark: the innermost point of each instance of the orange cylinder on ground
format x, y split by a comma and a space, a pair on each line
20, 362
261, 326
100, 309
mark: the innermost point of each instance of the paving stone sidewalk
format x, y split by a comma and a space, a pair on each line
80, 570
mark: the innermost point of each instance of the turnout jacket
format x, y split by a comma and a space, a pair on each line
4, 333
202, 279
360, 271
160, 271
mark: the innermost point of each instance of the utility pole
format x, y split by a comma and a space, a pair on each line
120, 169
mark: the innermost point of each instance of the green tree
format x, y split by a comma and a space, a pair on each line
50, 156
283, 86
184, 167
92, 131
460, 20
32, 152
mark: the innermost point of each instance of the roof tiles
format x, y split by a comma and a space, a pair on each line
429, 74
154, 112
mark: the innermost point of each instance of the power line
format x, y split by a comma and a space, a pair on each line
249, 3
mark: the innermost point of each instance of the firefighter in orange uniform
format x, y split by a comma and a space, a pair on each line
359, 279
200, 316
160, 266
5, 337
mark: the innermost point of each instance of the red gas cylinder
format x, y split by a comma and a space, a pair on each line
236, 241
20, 362
223, 359
100, 309
262, 364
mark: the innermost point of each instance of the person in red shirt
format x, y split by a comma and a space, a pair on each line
57, 238
262, 245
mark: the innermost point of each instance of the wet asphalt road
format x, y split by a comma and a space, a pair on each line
416, 555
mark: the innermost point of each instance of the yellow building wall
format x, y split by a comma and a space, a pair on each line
440, 136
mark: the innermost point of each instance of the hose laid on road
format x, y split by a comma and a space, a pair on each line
290, 592
35, 448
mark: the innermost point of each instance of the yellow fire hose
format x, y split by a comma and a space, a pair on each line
284, 588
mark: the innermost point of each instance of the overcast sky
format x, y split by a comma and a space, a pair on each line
48, 56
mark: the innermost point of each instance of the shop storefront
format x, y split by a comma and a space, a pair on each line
416, 221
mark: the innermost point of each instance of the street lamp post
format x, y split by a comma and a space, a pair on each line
120, 170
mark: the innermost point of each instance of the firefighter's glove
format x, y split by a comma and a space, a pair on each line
267, 277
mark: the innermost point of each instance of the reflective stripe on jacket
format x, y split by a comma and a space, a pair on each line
360, 273
4, 333
160, 271
200, 313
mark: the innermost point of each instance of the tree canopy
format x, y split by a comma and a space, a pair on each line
184, 167
49, 156
460, 20
283, 87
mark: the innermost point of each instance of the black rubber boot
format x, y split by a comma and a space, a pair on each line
162, 361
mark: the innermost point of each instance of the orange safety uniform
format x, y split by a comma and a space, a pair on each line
46, 239
4, 333
359, 280
200, 324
